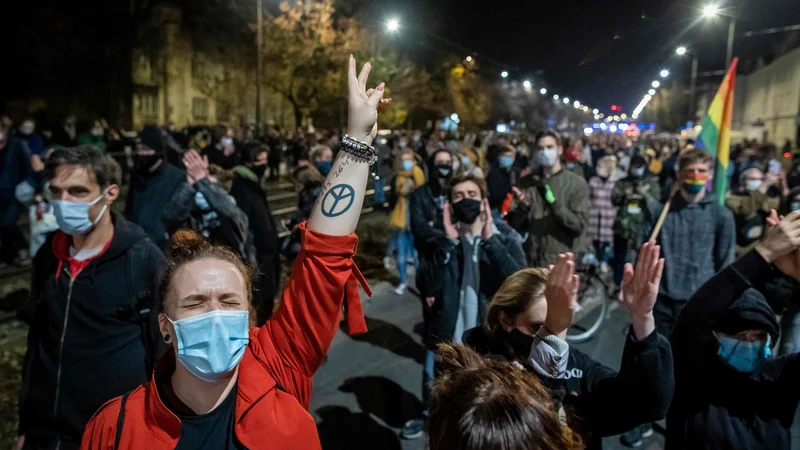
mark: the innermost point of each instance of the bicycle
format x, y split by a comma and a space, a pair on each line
593, 303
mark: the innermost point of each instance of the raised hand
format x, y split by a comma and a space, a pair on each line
447, 217
561, 294
640, 288
781, 241
521, 196
196, 167
488, 224
362, 112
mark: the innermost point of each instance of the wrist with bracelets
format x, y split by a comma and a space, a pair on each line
360, 150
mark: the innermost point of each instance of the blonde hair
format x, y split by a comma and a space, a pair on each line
518, 293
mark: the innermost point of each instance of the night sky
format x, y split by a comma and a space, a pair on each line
599, 52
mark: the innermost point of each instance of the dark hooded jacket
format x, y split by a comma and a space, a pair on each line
716, 406
89, 340
598, 400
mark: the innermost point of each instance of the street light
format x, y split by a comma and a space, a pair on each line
566, 100
655, 84
680, 50
555, 97
595, 111
526, 84
652, 92
504, 74
664, 73
469, 58
393, 25
543, 91
576, 104
710, 10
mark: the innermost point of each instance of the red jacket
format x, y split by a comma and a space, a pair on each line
287, 350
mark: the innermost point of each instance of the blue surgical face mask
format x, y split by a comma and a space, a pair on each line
73, 217
741, 355
211, 345
408, 165
506, 161
795, 206
201, 201
466, 161
638, 172
324, 167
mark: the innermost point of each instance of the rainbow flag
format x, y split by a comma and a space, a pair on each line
715, 137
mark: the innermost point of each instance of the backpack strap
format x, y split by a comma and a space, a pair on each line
121, 419
142, 289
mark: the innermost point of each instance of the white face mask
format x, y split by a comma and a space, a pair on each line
546, 157
226, 141
26, 128
752, 185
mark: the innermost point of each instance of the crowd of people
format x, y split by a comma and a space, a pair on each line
154, 326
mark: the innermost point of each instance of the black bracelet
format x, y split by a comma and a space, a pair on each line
360, 150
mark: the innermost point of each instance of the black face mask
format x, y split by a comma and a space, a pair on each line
520, 342
467, 210
259, 170
145, 162
444, 170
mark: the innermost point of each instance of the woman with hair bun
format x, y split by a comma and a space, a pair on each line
223, 384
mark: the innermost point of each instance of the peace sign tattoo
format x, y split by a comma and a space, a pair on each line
337, 200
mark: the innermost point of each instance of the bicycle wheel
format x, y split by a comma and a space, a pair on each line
591, 311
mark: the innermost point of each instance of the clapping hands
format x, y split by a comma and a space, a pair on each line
781, 242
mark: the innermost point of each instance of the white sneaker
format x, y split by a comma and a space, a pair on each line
400, 289
387, 262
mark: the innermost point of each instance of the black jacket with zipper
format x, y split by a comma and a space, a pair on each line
715, 406
499, 257
598, 400
89, 338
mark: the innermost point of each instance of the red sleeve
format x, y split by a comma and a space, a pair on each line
324, 281
101, 431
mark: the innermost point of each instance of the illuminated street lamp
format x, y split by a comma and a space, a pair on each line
543, 91
655, 84
469, 58
504, 74
710, 10
526, 84
555, 97
595, 111
664, 73
680, 50
576, 104
652, 92
393, 25
566, 100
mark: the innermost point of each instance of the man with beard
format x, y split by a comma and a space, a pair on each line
153, 183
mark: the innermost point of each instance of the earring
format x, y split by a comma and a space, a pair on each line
166, 338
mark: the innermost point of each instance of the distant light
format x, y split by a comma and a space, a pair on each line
504, 74
603, 126
527, 84
576, 104
634, 117
393, 25
454, 117
586, 109
680, 50
596, 116
664, 73
616, 118
469, 58
555, 97
601, 115
655, 84
623, 126
543, 91
647, 98
612, 128
710, 10
566, 100
588, 130
623, 116
652, 92
595, 111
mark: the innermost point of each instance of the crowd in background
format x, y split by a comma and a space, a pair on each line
495, 227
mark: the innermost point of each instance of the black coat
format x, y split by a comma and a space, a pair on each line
428, 229
149, 198
499, 182
92, 345
598, 400
252, 200
715, 406
499, 257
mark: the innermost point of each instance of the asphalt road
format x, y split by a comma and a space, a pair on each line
371, 384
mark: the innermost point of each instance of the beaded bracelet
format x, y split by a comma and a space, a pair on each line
360, 150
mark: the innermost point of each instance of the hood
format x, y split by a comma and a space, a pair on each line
246, 173
126, 234
749, 312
